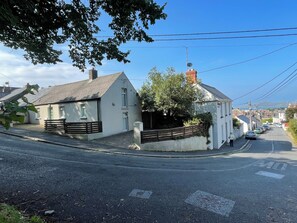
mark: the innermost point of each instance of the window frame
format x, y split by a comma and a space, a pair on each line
124, 97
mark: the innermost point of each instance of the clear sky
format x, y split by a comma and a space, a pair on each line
194, 16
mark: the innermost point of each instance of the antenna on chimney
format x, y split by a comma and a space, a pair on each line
189, 64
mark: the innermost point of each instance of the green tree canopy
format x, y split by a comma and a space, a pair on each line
168, 92
39, 26
290, 113
11, 111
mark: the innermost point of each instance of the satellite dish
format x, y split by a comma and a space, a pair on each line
189, 64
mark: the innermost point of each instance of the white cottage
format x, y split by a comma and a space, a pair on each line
89, 109
218, 104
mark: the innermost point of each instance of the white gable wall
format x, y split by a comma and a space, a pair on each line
222, 122
112, 111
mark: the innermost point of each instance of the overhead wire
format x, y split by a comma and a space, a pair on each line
262, 85
283, 83
218, 32
226, 37
248, 60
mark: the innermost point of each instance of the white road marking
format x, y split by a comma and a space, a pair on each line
269, 174
211, 202
284, 166
144, 194
271, 165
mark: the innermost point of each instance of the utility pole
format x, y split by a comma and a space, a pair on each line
187, 57
250, 109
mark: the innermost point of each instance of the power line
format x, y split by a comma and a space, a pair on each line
11, 78
248, 60
201, 46
265, 82
218, 32
226, 32
226, 37
283, 83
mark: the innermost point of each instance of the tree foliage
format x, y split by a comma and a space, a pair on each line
11, 111
38, 26
290, 113
168, 92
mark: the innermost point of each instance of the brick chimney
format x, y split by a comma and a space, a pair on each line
191, 75
92, 74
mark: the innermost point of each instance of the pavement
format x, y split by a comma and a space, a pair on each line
117, 144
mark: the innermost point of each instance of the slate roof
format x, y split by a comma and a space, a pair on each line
14, 94
247, 119
6, 90
215, 92
78, 91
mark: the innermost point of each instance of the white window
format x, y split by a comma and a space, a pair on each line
62, 111
50, 114
37, 114
124, 97
125, 121
221, 110
83, 111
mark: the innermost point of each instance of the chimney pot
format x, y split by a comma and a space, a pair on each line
92, 74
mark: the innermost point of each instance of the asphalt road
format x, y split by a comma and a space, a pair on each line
257, 185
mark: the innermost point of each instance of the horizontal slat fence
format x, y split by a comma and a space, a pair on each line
171, 134
83, 127
54, 124
73, 127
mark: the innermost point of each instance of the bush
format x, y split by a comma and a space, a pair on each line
265, 120
236, 123
293, 128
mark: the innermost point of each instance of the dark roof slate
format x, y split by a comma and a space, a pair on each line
216, 93
78, 91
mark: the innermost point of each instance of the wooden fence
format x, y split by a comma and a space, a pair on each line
172, 134
54, 124
73, 127
83, 127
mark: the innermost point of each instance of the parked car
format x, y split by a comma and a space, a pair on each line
258, 130
251, 135
267, 127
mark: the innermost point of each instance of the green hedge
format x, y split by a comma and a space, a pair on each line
293, 128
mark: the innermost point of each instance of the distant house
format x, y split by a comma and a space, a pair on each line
6, 90
88, 109
245, 121
218, 104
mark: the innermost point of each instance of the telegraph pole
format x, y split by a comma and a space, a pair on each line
250, 109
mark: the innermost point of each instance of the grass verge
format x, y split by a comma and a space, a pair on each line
8, 214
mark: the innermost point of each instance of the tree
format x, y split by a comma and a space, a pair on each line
38, 26
290, 113
168, 92
11, 111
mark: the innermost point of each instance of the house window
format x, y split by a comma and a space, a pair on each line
83, 111
37, 114
225, 105
125, 122
221, 110
124, 97
50, 111
62, 112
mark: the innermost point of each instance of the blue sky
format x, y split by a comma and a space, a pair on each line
190, 16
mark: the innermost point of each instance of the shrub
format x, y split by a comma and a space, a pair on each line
293, 128
236, 123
